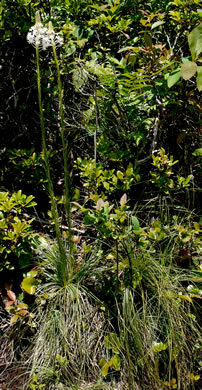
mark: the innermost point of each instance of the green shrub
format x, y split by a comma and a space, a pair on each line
16, 231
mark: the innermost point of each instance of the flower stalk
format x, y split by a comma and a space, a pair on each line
65, 153
35, 36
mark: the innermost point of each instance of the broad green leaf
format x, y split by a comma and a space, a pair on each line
3, 196
29, 285
173, 78
106, 185
14, 319
197, 152
156, 24
185, 59
195, 41
194, 377
135, 223
188, 69
120, 175
129, 170
22, 306
116, 362
199, 78
32, 273
158, 347
105, 366
111, 341
114, 60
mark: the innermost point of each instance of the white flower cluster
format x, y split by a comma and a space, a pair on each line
43, 37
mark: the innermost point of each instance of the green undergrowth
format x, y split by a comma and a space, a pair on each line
140, 335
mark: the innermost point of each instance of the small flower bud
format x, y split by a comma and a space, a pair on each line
37, 18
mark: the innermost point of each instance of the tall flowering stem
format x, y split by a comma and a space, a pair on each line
35, 36
65, 154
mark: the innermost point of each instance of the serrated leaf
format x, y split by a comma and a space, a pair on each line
29, 285
156, 24
173, 78
199, 78
188, 70
195, 41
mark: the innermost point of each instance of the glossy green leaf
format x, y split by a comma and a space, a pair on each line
29, 285
195, 41
194, 377
135, 223
158, 347
199, 78
173, 78
120, 175
32, 273
197, 152
157, 24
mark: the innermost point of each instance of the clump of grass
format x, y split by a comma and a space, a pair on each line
158, 330
71, 327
